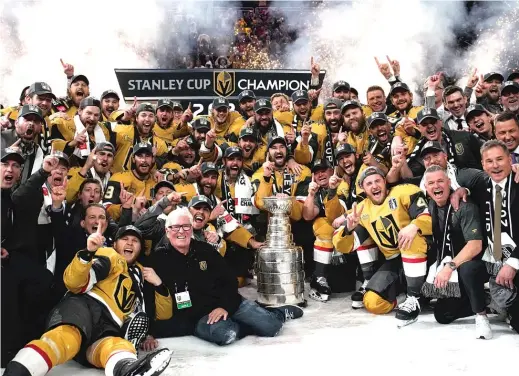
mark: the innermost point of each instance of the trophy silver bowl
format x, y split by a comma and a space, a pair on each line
279, 263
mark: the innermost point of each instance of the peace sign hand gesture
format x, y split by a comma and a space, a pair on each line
353, 219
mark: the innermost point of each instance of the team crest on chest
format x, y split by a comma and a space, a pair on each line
203, 265
459, 148
392, 204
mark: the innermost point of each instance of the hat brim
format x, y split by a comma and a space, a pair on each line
320, 167
375, 121
234, 153
31, 113
210, 170
262, 108
301, 99
140, 150
428, 117
13, 156
341, 87
431, 150
344, 108
246, 97
473, 113
495, 75
512, 76
279, 140
221, 106
44, 92
206, 127
509, 88
200, 203
165, 105
399, 89
80, 77
132, 232
113, 95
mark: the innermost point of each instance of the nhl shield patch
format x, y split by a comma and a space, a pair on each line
203, 265
392, 204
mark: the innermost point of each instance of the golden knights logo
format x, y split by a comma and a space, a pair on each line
387, 231
224, 83
124, 294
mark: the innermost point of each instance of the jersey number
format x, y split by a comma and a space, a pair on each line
109, 192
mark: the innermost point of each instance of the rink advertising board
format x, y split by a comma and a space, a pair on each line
200, 86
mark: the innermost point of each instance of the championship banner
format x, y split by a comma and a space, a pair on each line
200, 86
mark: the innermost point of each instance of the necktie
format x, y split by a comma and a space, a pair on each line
460, 124
498, 253
515, 158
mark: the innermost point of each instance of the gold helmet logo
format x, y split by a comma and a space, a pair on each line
224, 83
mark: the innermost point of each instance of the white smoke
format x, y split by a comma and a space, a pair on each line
345, 38
95, 37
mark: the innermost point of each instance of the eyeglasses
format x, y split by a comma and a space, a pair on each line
176, 228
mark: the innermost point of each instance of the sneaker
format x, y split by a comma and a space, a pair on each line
319, 289
408, 311
483, 330
357, 298
152, 364
291, 312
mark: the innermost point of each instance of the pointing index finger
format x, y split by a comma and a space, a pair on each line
389, 60
376, 61
62, 63
312, 61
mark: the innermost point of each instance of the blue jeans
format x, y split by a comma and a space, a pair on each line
250, 318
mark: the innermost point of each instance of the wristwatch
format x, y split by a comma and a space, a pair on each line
452, 265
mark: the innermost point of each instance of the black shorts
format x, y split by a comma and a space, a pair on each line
88, 315
389, 280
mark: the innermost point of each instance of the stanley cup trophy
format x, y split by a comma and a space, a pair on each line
279, 263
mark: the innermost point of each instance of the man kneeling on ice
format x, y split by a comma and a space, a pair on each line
206, 290
105, 289
397, 221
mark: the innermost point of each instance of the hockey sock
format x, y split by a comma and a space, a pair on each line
56, 346
100, 352
415, 269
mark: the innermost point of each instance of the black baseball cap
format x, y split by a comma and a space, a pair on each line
474, 110
105, 146
233, 150
246, 94
370, 171
262, 104
40, 88
513, 75
89, 101
178, 105
163, 183
350, 104
164, 103
510, 86
425, 113
299, 95
110, 93
249, 132
275, 139
208, 167
201, 123
12, 154
344, 149
377, 118
142, 146
130, 229
399, 86
28, 109
341, 85
322, 164
431, 146
354, 91
492, 75
61, 156
79, 77
144, 107
220, 102
332, 103
200, 200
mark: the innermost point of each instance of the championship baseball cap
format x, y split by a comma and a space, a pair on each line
350, 104
129, 230
201, 123
340, 85
299, 95
233, 150
344, 149
474, 110
200, 200
510, 86
80, 77
12, 154
321, 164
89, 101
513, 75
274, 139
492, 75
332, 103
425, 113
163, 183
164, 103
246, 94
61, 156
178, 105
142, 146
262, 104
354, 91
144, 107
40, 88
28, 109
208, 167
377, 118
105, 146
110, 93
220, 102
399, 86
249, 132
370, 171
431, 146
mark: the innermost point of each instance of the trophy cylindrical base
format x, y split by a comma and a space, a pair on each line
274, 300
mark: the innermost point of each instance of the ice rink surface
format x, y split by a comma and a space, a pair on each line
333, 338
